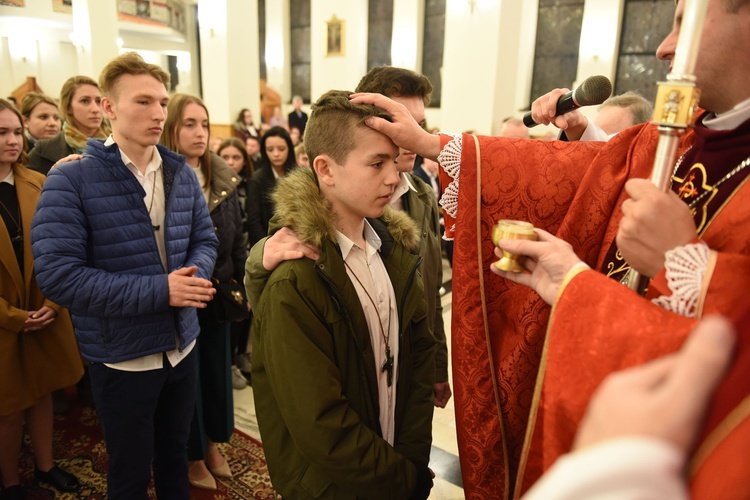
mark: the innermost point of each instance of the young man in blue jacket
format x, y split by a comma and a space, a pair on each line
123, 238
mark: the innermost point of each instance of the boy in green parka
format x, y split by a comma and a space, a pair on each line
343, 359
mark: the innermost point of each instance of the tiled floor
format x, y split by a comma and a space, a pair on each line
444, 456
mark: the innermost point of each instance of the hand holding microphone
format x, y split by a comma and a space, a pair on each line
556, 106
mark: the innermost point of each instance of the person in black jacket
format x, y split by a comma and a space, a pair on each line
297, 118
186, 131
233, 152
277, 159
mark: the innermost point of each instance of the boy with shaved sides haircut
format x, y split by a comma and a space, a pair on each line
412, 196
123, 238
343, 359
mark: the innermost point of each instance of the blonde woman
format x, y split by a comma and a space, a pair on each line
81, 111
40, 118
186, 131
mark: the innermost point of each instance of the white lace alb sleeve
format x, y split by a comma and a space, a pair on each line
594, 133
450, 160
684, 267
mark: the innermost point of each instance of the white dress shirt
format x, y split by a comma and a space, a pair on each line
375, 291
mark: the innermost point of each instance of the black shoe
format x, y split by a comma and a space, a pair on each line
60, 479
12, 493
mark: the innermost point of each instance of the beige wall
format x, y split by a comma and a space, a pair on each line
44, 49
486, 73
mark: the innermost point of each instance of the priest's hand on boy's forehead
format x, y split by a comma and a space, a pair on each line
403, 130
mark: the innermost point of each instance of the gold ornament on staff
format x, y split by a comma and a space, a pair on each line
511, 230
676, 101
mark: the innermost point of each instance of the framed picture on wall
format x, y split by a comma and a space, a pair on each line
64, 6
335, 37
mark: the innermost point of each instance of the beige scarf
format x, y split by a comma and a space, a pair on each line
77, 139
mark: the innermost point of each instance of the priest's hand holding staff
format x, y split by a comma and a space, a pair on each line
653, 222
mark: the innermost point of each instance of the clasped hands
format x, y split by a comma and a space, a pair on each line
652, 223
187, 290
36, 320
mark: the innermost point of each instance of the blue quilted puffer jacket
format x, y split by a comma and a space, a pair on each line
95, 253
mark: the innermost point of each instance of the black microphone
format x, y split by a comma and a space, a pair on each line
593, 90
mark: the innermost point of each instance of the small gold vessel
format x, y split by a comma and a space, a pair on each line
511, 230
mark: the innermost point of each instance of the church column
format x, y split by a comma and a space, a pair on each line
600, 42
94, 35
600, 38
485, 45
230, 72
408, 34
278, 49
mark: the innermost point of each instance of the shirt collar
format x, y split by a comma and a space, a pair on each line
731, 119
403, 187
10, 178
153, 165
371, 238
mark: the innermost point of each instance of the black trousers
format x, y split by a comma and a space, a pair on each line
146, 418
213, 417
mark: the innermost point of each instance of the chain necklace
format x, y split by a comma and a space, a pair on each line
677, 165
151, 204
18, 238
388, 363
741, 166
713, 188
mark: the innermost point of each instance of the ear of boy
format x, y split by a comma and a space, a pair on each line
109, 108
323, 166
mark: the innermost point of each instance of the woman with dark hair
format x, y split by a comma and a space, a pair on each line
38, 349
40, 118
186, 131
244, 126
81, 111
277, 159
234, 153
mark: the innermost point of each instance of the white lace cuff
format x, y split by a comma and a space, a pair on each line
450, 160
685, 267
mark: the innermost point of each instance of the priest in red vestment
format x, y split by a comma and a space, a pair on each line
595, 197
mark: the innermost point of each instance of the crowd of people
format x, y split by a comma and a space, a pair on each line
158, 385
304, 256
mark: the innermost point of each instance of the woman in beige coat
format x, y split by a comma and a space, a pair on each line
38, 351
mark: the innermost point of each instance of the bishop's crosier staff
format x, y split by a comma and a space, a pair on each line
676, 101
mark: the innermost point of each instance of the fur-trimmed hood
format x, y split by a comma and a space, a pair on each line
301, 207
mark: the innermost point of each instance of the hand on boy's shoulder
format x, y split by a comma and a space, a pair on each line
66, 159
285, 245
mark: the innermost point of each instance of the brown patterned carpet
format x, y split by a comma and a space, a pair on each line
79, 448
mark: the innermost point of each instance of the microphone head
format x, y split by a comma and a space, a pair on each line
593, 90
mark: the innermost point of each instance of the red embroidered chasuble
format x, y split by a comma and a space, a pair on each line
574, 191
580, 354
